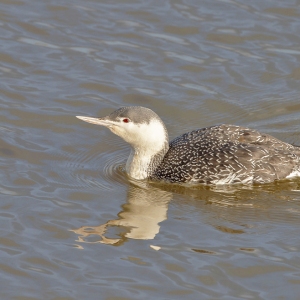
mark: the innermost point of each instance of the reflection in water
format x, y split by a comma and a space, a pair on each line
197, 65
140, 217
235, 209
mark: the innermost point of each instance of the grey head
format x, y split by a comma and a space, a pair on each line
143, 129
136, 114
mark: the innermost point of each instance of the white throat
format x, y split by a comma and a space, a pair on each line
137, 165
149, 145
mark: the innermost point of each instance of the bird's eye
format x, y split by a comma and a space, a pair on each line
126, 120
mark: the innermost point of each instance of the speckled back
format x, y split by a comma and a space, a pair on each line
227, 154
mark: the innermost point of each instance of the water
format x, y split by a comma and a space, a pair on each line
73, 226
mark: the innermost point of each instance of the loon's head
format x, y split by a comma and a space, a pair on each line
139, 126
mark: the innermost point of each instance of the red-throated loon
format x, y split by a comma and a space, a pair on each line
221, 154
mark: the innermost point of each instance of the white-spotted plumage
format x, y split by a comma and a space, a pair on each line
221, 154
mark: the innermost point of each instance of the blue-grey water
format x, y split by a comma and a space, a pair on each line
73, 226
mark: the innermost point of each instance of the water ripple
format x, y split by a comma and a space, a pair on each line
93, 167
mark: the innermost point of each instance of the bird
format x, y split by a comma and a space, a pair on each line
214, 155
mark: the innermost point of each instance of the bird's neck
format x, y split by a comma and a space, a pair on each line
142, 163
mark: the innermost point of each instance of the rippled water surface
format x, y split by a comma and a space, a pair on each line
73, 226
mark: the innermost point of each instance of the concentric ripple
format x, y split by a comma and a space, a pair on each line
114, 167
90, 168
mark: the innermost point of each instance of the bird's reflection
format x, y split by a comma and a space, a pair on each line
229, 209
146, 207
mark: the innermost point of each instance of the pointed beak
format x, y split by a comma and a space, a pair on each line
97, 121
